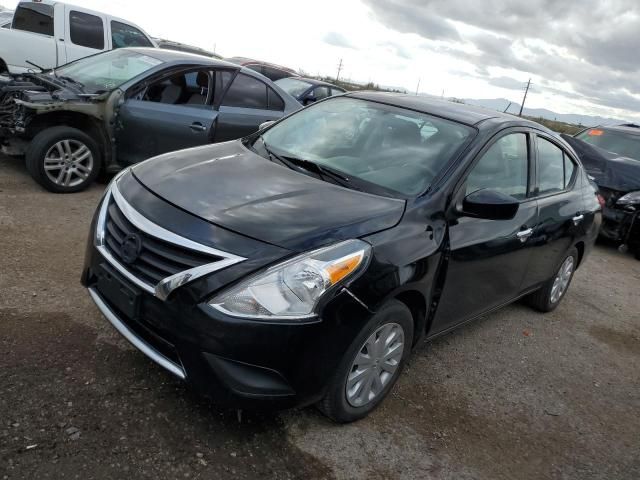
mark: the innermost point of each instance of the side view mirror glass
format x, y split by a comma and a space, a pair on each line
490, 205
264, 125
309, 99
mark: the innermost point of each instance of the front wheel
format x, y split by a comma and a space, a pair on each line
371, 365
63, 159
553, 291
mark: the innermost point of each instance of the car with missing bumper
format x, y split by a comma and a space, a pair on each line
301, 264
111, 110
611, 156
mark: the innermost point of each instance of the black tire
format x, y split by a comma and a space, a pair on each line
46, 140
637, 254
541, 299
335, 404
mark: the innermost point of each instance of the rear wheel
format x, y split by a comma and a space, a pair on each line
63, 159
371, 365
551, 293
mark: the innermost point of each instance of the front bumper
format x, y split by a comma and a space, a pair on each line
236, 363
621, 226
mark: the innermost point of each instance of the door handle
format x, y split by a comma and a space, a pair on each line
197, 127
523, 235
577, 219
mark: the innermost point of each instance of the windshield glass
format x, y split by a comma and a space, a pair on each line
624, 144
292, 86
108, 70
393, 148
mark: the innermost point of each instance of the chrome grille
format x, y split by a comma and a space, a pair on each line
157, 259
164, 260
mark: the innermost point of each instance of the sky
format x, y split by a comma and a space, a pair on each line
581, 56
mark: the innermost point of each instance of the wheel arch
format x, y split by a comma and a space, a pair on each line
83, 122
417, 305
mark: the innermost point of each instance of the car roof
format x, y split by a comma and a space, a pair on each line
629, 128
315, 81
458, 112
177, 56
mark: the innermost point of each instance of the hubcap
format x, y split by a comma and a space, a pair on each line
562, 280
375, 365
68, 163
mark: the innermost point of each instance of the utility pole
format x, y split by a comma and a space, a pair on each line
417, 87
525, 97
339, 69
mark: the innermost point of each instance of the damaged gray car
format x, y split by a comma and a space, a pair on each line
105, 112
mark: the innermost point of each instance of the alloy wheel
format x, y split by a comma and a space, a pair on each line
375, 365
562, 279
68, 163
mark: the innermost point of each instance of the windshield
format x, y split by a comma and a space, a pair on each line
292, 86
108, 70
393, 148
624, 144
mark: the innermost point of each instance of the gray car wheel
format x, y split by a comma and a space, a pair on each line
63, 159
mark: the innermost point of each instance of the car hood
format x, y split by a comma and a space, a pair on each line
609, 169
232, 187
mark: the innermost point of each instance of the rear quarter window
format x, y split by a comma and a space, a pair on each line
246, 92
34, 17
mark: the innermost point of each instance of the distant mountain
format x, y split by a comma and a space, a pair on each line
501, 103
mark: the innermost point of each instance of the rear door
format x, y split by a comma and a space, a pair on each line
558, 190
172, 113
246, 104
488, 259
85, 33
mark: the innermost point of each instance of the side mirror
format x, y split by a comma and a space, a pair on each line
490, 205
264, 125
309, 99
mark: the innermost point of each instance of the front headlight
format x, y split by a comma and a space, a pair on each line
629, 198
292, 289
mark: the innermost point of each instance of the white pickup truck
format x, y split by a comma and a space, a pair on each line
48, 34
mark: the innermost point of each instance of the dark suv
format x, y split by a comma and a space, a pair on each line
302, 264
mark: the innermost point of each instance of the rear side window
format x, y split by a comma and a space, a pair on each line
275, 102
123, 35
34, 17
503, 167
550, 167
86, 30
246, 92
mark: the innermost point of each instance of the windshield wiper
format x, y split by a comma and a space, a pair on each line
308, 165
70, 80
35, 65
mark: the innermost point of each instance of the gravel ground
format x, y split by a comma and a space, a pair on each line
515, 395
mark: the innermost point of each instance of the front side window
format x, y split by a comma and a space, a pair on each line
109, 70
321, 92
34, 17
86, 30
123, 35
246, 92
378, 145
504, 168
550, 168
188, 89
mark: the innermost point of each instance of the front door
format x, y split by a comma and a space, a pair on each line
488, 259
172, 113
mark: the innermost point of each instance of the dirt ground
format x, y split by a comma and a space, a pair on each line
515, 395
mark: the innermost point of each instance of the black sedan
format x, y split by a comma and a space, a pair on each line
110, 110
611, 155
308, 90
303, 263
